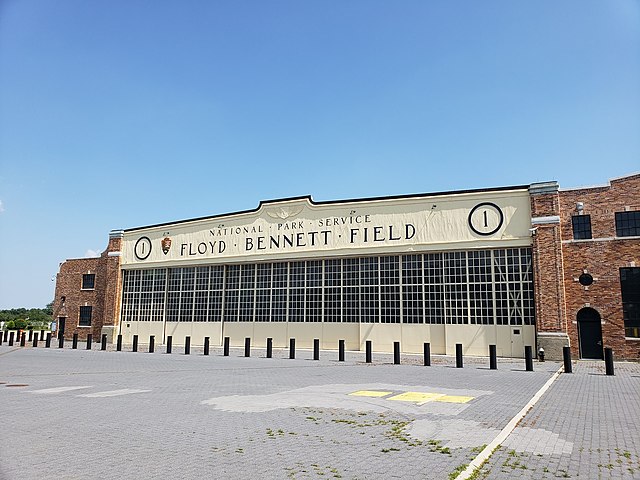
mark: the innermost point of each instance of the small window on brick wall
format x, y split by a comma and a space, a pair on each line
581, 227
85, 316
88, 281
628, 224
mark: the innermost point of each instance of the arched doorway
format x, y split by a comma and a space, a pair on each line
589, 333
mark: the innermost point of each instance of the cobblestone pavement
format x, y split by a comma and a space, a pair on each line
78, 414
586, 426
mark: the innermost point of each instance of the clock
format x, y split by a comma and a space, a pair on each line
142, 248
486, 218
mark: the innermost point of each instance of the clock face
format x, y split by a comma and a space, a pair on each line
486, 218
142, 248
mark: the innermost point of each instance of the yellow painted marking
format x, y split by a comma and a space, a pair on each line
454, 399
418, 397
370, 393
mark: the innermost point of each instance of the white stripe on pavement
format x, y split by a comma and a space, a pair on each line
46, 391
486, 453
113, 393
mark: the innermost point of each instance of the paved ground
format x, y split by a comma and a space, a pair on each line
92, 415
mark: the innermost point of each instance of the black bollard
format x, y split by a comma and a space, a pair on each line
152, 343
427, 354
23, 339
74, 341
247, 347
367, 354
47, 343
11, 339
206, 345
103, 339
493, 360
60, 340
316, 349
528, 358
35, 339
89, 340
458, 355
119, 344
341, 350
608, 361
187, 345
292, 348
396, 353
135, 343
169, 343
225, 349
6, 333
1, 335
30, 336
269, 347
41, 334
566, 355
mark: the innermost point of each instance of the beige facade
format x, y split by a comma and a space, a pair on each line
298, 230
301, 228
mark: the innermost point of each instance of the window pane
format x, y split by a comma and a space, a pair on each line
630, 289
628, 224
581, 226
88, 281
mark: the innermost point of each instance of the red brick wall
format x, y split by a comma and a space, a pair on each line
548, 265
602, 257
69, 286
104, 298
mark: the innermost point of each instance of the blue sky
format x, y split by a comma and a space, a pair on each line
127, 113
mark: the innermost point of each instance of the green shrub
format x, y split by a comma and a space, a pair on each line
20, 324
10, 325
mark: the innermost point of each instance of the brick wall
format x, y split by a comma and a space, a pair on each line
104, 298
602, 257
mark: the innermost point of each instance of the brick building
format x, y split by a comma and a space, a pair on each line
511, 266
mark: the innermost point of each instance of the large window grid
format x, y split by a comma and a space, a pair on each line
434, 288
279, 292
247, 291
313, 291
390, 289
483, 287
143, 297
412, 289
263, 292
333, 290
456, 293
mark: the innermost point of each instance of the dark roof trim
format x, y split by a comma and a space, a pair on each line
333, 202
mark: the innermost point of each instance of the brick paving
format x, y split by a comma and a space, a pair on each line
141, 415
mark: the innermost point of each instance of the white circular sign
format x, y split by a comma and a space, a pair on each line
142, 248
486, 218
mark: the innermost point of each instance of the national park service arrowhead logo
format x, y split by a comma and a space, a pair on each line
166, 245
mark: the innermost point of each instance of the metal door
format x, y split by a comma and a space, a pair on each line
590, 334
517, 342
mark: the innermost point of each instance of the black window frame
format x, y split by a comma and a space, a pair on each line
84, 319
581, 226
628, 223
88, 281
630, 293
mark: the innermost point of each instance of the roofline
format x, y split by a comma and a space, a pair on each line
332, 202
604, 185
